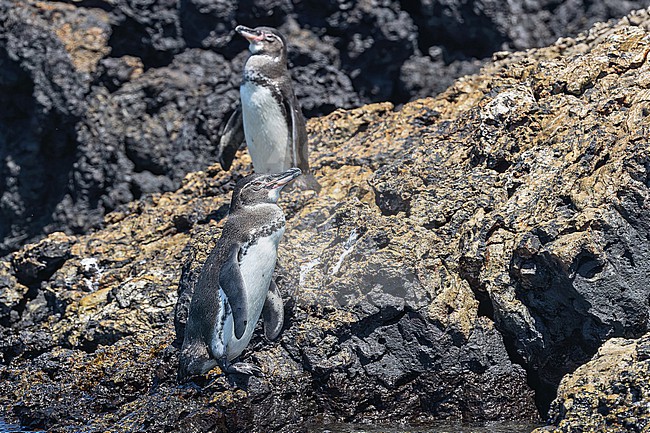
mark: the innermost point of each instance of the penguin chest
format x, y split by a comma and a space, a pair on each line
256, 266
266, 129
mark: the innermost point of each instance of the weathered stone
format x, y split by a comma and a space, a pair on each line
122, 98
11, 295
466, 252
611, 393
38, 262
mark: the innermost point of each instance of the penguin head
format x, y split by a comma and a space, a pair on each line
261, 188
265, 40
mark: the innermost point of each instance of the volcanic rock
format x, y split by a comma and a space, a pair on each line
610, 393
466, 253
109, 100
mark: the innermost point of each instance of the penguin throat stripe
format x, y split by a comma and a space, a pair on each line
261, 80
262, 232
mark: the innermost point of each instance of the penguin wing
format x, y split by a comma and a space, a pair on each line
231, 139
273, 312
297, 128
232, 284
299, 140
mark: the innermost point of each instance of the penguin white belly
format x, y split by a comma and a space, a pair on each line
224, 328
265, 128
257, 268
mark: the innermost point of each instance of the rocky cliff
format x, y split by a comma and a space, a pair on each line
466, 253
105, 101
611, 393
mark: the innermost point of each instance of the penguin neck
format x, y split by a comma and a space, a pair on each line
252, 216
263, 66
254, 210
270, 229
259, 221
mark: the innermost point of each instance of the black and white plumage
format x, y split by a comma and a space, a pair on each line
269, 117
235, 285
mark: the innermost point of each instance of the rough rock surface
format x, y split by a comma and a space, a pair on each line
465, 253
107, 100
611, 393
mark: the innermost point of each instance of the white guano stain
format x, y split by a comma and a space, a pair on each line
305, 269
348, 247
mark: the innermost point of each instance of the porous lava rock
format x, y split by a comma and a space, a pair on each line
466, 252
105, 101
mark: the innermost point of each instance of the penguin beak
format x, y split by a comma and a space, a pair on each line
281, 179
251, 35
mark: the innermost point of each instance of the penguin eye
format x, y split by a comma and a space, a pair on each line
256, 186
270, 38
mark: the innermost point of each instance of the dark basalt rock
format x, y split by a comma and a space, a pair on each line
43, 98
466, 255
107, 101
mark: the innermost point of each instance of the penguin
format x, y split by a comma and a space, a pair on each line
235, 285
269, 116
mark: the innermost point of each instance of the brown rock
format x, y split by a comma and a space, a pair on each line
465, 252
611, 393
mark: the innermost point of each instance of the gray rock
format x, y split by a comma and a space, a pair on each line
76, 76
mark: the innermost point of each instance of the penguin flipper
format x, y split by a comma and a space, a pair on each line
273, 313
232, 284
297, 131
231, 139
299, 144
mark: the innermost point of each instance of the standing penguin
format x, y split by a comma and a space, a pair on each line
269, 117
235, 285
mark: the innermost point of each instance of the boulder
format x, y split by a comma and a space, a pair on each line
610, 393
466, 253
110, 100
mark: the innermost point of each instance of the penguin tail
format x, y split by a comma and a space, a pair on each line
194, 360
183, 371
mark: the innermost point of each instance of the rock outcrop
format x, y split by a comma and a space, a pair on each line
105, 101
466, 252
611, 393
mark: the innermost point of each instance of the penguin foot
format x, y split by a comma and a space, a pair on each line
244, 368
306, 182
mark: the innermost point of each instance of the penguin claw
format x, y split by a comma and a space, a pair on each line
306, 182
244, 368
